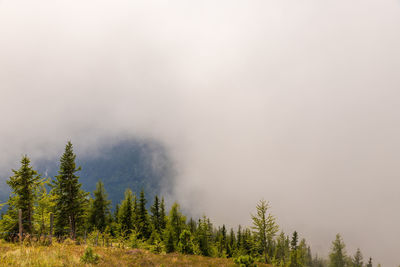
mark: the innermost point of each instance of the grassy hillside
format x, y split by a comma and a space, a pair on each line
70, 255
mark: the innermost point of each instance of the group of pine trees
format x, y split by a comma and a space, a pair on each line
77, 213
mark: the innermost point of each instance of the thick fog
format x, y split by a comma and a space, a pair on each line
293, 101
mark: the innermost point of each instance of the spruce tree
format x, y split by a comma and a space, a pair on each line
24, 184
294, 241
294, 253
100, 209
142, 223
231, 243
71, 200
204, 236
156, 215
357, 260
163, 215
337, 256
125, 214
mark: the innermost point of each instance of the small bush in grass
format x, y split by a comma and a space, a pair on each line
134, 241
90, 257
245, 261
69, 242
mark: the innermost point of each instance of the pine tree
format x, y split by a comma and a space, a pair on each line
203, 236
231, 243
142, 223
239, 237
264, 228
294, 241
156, 215
163, 215
294, 253
125, 214
100, 209
338, 254
71, 200
24, 184
357, 260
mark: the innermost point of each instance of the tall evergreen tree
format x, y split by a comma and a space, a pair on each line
204, 236
125, 214
357, 260
264, 227
142, 223
294, 241
337, 256
71, 200
24, 184
156, 215
100, 209
294, 262
163, 215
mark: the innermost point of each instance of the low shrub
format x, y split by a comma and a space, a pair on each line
90, 257
245, 261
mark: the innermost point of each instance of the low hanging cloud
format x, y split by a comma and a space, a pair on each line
296, 102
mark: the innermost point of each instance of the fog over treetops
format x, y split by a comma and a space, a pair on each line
296, 102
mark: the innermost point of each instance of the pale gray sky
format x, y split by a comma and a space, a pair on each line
293, 101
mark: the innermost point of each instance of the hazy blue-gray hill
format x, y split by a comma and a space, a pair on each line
128, 164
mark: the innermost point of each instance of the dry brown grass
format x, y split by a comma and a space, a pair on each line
69, 255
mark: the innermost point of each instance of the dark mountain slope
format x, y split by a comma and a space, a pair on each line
128, 164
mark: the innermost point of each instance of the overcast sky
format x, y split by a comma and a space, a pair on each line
293, 101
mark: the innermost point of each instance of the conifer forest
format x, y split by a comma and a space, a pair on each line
43, 210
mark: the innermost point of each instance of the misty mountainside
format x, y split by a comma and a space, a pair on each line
128, 164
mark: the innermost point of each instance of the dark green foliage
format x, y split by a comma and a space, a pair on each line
245, 261
185, 244
169, 240
294, 254
89, 257
163, 215
231, 244
294, 241
155, 217
24, 184
70, 201
125, 214
142, 221
99, 209
204, 236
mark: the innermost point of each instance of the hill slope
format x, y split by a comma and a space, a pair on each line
128, 164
